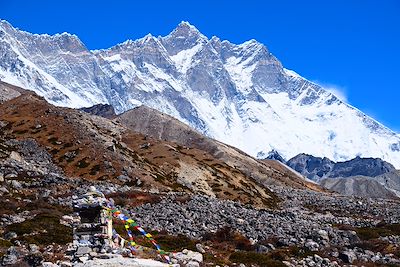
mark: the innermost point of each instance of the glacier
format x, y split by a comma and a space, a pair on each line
239, 94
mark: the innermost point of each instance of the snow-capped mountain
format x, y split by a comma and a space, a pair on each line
238, 94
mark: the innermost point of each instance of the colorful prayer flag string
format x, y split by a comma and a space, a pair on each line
115, 213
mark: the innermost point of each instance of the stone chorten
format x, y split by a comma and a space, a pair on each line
92, 230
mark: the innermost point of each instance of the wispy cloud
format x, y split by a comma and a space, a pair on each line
337, 90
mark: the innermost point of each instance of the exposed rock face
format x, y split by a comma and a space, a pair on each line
358, 186
102, 110
273, 154
238, 94
317, 168
390, 180
156, 124
8, 91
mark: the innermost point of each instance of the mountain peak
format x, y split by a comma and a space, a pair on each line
4, 22
185, 30
186, 25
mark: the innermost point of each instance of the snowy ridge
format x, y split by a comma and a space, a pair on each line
238, 94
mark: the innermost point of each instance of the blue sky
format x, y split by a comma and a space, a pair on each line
349, 46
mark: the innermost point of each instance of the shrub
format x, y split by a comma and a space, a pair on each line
248, 257
227, 235
368, 233
51, 231
82, 163
175, 243
5, 243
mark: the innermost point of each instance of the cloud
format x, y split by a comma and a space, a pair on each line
337, 90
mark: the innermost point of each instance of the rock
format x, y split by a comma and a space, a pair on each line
11, 257
200, 248
317, 258
67, 220
144, 146
49, 264
65, 264
323, 235
352, 236
11, 176
104, 256
93, 254
192, 264
312, 245
138, 182
262, 249
124, 178
1, 177
103, 110
335, 254
347, 256
196, 256
83, 251
3, 190
10, 235
188, 255
15, 156
84, 259
375, 258
15, 184
112, 148
34, 259
270, 246
33, 248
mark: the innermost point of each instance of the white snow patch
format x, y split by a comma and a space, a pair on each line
183, 60
241, 72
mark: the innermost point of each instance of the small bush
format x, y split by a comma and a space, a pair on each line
175, 243
368, 233
373, 245
248, 257
53, 140
5, 243
51, 231
20, 132
394, 228
82, 163
227, 235
222, 235
94, 170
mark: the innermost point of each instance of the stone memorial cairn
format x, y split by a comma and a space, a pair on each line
92, 228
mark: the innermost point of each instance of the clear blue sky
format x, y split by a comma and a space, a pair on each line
350, 45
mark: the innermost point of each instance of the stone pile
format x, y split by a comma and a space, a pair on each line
305, 220
92, 235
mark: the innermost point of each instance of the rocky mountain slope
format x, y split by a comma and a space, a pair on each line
161, 126
102, 110
390, 180
363, 177
386, 185
8, 91
317, 168
361, 186
238, 94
